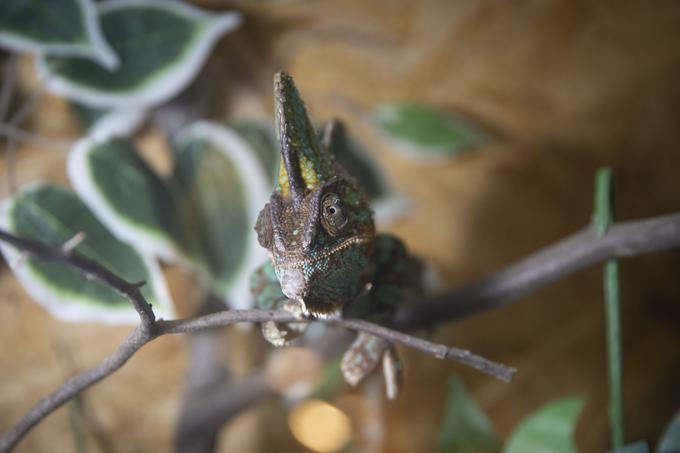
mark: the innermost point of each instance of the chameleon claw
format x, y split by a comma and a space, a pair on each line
274, 335
281, 334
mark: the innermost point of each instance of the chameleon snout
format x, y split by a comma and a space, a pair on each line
293, 282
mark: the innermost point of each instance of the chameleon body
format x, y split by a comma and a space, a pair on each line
326, 258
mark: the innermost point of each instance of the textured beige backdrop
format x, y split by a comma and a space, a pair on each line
568, 86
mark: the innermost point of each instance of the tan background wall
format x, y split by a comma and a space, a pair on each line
568, 86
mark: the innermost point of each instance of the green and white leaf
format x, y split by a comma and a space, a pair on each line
68, 28
127, 195
466, 428
87, 116
423, 133
226, 186
548, 430
670, 440
162, 44
103, 124
120, 123
53, 215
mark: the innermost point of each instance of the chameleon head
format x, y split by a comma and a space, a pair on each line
317, 226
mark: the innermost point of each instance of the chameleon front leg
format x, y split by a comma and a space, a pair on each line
397, 277
266, 290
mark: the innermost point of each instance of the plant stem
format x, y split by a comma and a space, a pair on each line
604, 217
614, 352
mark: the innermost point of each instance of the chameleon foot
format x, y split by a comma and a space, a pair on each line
280, 334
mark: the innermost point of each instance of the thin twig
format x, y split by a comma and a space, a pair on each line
6, 93
91, 269
28, 106
73, 387
19, 135
440, 351
15, 121
8, 81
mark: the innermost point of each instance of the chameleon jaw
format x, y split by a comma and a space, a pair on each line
301, 280
296, 260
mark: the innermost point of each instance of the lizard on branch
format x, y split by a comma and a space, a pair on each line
326, 257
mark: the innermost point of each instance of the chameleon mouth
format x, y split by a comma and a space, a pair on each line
297, 260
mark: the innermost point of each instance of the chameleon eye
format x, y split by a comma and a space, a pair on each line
263, 227
333, 214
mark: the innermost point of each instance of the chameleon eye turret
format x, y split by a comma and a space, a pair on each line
318, 228
334, 216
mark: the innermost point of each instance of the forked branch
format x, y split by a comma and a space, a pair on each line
150, 329
548, 265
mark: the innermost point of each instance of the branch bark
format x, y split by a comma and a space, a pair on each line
73, 387
540, 269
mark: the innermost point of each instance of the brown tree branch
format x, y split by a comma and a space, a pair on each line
576, 252
540, 269
150, 329
73, 387
440, 351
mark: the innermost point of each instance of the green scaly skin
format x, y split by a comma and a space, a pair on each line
326, 258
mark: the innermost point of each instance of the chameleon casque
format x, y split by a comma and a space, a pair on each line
326, 258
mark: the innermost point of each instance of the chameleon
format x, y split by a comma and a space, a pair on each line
326, 259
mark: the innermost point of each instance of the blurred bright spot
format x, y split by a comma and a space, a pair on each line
320, 426
294, 372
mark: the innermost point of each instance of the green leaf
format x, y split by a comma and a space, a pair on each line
225, 185
548, 430
162, 45
68, 28
386, 202
125, 193
262, 139
53, 215
466, 428
670, 440
637, 447
423, 133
